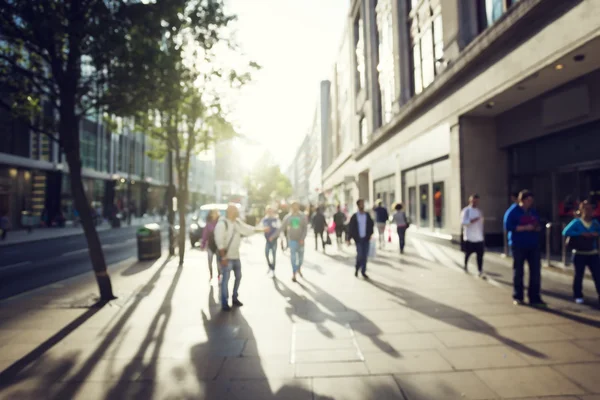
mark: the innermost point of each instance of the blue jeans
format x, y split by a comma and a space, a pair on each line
271, 248
402, 237
296, 254
236, 266
362, 253
532, 256
580, 261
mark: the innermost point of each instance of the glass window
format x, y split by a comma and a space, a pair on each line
438, 204
427, 58
491, 11
417, 68
412, 203
424, 206
427, 38
385, 68
364, 132
438, 42
359, 53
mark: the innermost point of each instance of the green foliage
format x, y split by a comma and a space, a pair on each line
266, 184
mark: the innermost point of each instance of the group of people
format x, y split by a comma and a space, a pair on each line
523, 226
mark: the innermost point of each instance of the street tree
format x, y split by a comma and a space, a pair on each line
186, 112
267, 183
64, 56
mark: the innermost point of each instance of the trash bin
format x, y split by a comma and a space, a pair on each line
148, 242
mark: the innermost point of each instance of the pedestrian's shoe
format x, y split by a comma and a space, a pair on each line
579, 300
539, 304
226, 307
294, 279
300, 273
365, 276
466, 269
237, 303
356, 273
518, 302
482, 275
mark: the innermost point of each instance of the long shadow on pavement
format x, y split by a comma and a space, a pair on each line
70, 389
433, 309
220, 386
139, 364
368, 328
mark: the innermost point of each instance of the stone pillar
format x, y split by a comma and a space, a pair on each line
403, 55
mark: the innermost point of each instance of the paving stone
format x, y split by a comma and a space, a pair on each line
399, 342
528, 382
307, 370
289, 389
317, 356
364, 387
257, 368
579, 331
483, 357
533, 334
468, 339
446, 385
591, 345
559, 353
406, 362
444, 324
585, 375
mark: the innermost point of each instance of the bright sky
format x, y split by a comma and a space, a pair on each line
296, 42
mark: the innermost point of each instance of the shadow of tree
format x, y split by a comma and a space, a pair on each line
434, 309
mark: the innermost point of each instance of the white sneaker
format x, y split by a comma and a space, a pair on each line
579, 301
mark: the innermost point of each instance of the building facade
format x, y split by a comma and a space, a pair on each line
117, 172
448, 98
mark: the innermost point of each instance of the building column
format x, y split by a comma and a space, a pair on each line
404, 55
371, 62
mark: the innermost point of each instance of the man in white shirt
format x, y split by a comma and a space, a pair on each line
229, 233
473, 237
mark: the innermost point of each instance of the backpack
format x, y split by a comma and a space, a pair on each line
212, 244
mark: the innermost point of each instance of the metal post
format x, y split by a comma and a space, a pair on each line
548, 232
505, 234
563, 244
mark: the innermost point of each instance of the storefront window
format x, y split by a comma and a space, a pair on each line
424, 206
438, 204
412, 204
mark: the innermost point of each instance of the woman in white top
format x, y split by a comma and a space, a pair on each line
402, 224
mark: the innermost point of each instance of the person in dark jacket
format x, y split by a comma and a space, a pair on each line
339, 219
523, 226
381, 217
361, 229
319, 224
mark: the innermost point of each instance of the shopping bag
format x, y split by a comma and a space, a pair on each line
331, 228
389, 231
372, 249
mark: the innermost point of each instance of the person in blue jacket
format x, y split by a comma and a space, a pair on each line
523, 226
583, 234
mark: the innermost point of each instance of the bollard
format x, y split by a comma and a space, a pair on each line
565, 258
548, 232
506, 254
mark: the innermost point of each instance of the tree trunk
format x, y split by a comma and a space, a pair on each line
182, 207
83, 207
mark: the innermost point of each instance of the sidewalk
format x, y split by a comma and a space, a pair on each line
22, 236
418, 330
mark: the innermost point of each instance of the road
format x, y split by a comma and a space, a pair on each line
31, 265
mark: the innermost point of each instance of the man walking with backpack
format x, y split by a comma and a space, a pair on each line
296, 226
228, 234
381, 217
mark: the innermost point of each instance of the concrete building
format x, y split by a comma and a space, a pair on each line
448, 98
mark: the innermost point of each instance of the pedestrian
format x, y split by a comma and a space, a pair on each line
319, 223
401, 221
271, 223
583, 233
523, 226
228, 233
473, 237
4, 225
208, 241
361, 230
339, 219
296, 226
381, 217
